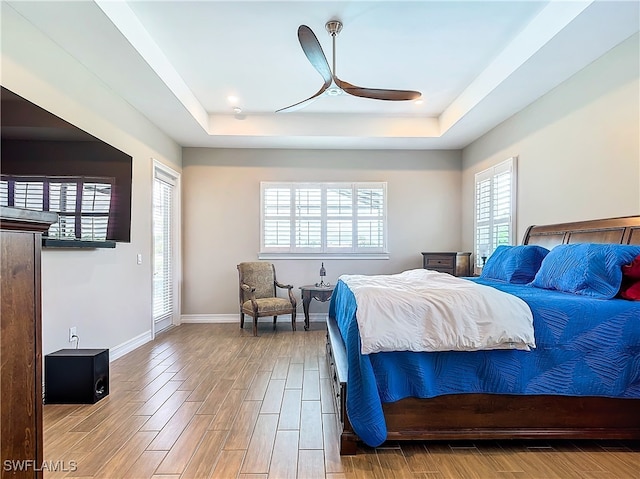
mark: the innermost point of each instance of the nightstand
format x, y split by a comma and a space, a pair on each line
456, 263
319, 293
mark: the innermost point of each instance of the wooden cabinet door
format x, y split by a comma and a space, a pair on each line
20, 355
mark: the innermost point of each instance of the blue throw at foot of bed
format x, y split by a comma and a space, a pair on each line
585, 347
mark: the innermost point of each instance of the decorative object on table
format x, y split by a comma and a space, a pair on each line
323, 273
484, 255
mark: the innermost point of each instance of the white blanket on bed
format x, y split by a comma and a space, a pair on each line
423, 310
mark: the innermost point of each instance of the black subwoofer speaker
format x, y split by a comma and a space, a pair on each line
76, 376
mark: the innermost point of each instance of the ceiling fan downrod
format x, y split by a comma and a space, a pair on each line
334, 27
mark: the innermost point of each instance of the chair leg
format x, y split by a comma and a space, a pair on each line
255, 325
241, 320
275, 318
293, 320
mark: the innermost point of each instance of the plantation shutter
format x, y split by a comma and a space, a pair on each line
276, 214
340, 228
370, 217
308, 219
495, 194
333, 218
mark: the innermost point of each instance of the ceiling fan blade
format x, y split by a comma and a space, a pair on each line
376, 93
301, 104
312, 49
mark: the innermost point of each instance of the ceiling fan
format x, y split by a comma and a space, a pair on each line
332, 84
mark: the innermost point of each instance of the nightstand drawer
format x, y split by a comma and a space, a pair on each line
437, 262
455, 263
443, 270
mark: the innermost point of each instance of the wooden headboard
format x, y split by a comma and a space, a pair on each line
624, 230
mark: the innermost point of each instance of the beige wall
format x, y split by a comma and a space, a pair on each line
578, 147
102, 292
579, 158
221, 213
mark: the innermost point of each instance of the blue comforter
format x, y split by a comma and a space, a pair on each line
585, 347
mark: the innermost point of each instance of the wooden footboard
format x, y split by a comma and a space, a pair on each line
486, 416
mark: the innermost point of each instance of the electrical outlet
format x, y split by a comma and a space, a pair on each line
72, 333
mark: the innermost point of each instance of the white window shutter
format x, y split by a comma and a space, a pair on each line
329, 218
276, 221
495, 207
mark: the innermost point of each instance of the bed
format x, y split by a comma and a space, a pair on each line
479, 415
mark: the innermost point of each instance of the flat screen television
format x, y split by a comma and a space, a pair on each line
48, 164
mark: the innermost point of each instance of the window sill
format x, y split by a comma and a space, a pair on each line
327, 256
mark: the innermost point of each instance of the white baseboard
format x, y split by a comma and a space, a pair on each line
128, 346
235, 318
209, 318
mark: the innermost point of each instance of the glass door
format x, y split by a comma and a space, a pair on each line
164, 249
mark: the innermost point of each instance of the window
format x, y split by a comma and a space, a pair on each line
495, 207
323, 218
83, 204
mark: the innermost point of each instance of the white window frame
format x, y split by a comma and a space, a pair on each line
294, 251
490, 177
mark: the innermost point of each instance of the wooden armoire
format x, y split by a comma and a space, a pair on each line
21, 341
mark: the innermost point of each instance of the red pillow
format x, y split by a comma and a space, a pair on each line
632, 270
631, 280
632, 292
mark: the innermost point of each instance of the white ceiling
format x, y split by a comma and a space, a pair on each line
476, 64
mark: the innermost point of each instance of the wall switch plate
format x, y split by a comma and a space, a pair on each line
72, 333
139, 258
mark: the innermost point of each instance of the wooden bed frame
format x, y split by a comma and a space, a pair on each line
494, 416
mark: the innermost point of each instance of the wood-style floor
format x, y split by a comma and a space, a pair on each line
212, 401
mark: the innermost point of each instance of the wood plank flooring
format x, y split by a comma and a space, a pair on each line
212, 401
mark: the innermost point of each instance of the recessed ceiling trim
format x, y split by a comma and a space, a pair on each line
334, 125
540, 31
123, 18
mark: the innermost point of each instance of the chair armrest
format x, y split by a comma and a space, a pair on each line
250, 290
283, 286
292, 298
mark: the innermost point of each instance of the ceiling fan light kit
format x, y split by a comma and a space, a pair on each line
333, 86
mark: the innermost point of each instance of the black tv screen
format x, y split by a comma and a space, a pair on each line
48, 164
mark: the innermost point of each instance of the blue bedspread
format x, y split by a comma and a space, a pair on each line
585, 347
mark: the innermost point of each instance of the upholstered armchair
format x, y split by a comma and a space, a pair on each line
258, 294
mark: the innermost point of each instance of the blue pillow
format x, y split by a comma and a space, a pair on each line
587, 269
514, 264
